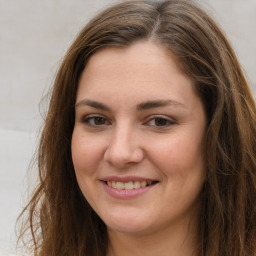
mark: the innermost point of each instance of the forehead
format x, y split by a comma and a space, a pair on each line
142, 71
140, 53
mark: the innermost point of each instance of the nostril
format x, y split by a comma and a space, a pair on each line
122, 157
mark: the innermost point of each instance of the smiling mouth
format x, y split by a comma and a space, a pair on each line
130, 184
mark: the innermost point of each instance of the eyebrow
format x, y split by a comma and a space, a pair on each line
142, 106
158, 103
93, 104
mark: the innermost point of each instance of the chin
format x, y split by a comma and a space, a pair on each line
126, 223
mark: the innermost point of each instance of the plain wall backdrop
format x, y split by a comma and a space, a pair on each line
34, 36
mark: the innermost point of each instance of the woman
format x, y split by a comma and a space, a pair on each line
149, 143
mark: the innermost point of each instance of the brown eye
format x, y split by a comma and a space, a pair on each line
99, 121
96, 121
160, 122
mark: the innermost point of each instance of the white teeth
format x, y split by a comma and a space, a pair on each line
119, 185
136, 184
113, 184
128, 185
143, 184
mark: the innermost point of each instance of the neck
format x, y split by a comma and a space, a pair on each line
171, 241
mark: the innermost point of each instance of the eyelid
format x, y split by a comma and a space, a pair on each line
164, 117
170, 120
86, 118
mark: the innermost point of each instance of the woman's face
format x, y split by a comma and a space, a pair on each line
138, 140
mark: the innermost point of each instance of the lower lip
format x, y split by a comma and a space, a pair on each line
126, 193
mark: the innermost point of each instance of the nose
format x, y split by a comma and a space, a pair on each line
124, 148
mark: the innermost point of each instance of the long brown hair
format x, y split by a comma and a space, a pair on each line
60, 219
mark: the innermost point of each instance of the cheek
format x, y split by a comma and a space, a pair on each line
85, 154
179, 155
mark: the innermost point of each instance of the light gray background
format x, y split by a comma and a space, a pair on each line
34, 36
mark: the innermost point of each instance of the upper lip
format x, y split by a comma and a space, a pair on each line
126, 178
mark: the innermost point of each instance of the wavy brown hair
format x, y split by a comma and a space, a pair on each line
59, 219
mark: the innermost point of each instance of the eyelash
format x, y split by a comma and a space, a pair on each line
93, 118
164, 121
167, 121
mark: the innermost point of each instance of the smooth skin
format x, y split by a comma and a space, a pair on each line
138, 115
